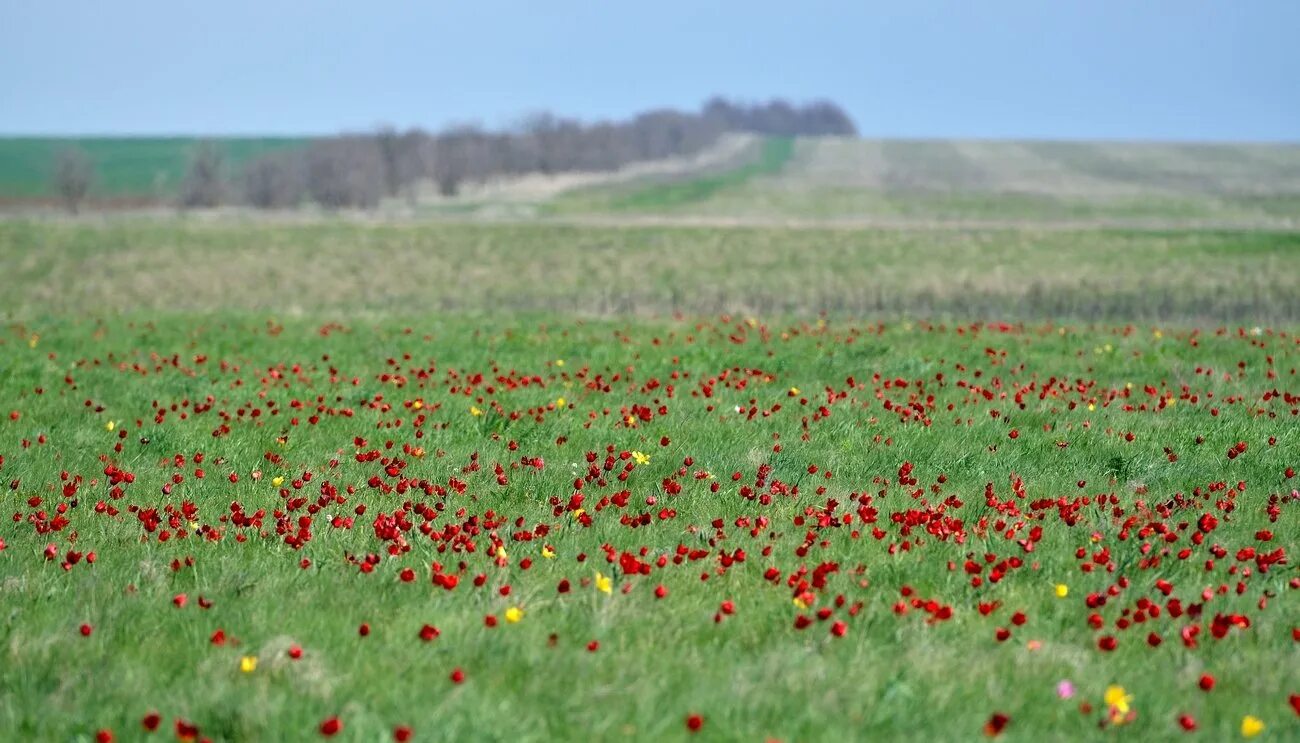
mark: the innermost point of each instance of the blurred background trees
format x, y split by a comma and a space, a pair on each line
359, 170
73, 173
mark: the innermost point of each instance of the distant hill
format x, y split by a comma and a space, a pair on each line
883, 181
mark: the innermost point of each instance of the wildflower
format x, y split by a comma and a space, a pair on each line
331, 726
1062, 590
1065, 689
560, 402
248, 663
1251, 726
1033, 645
277, 481
694, 722
1118, 703
501, 552
794, 391
548, 553
603, 583
514, 614
417, 405
641, 458
559, 362
474, 411
996, 724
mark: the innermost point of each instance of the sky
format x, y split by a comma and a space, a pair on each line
1054, 69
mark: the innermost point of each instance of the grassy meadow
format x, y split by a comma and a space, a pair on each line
659, 466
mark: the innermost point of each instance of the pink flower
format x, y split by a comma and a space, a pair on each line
1065, 689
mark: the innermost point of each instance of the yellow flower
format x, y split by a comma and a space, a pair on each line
1170, 402
1159, 334
1251, 726
1128, 385
548, 553
1062, 590
110, 426
248, 663
559, 362
603, 583
1118, 699
641, 458
794, 390
1091, 407
799, 602
474, 411
501, 552
560, 403
194, 526
577, 513
514, 614
277, 481
418, 404
35, 338
630, 421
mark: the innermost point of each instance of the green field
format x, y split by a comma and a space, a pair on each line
818, 182
850, 440
127, 168
884, 181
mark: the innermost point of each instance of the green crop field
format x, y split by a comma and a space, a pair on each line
127, 168
855, 181
659, 466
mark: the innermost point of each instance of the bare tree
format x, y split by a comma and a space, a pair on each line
203, 186
273, 181
345, 172
73, 172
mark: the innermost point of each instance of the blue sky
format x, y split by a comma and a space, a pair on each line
1128, 69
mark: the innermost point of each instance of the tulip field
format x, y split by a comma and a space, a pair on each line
235, 514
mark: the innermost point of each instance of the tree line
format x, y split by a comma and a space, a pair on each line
360, 170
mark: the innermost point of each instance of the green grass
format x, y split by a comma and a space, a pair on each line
773, 155
777, 374
125, 167
751, 675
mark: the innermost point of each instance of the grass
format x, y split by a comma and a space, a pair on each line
308, 410
180, 386
773, 155
196, 265
126, 167
992, 182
